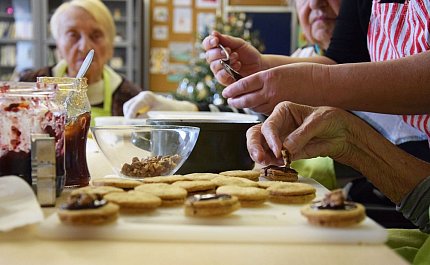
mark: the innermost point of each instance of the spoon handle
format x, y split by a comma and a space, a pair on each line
86, 64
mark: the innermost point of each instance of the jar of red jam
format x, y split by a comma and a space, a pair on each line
72, 93
25, 111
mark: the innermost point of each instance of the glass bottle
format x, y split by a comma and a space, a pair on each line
26, 110
72, 93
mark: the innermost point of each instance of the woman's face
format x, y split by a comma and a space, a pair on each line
78, 34
317, 19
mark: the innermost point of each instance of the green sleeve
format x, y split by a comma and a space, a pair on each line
406, 242
423, 254
415, 206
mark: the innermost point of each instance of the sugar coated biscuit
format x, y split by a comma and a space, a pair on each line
117, 182
248, 196
334, 211
268, 183
294, 193
164, 179
102, 190
87, 209
277, 173
196, 185
235, 181
169, 194
134, 201
201, 176
248, 174
211, 205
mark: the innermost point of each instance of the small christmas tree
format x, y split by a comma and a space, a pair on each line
199, 84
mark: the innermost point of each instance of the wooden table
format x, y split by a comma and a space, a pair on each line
21, 246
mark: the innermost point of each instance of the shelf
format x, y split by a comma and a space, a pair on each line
50, 42
121, 69
121, 44
120, 20
4, 15
14, 41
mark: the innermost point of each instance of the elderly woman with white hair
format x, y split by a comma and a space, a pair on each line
77, 27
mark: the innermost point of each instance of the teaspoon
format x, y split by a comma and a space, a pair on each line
86, 64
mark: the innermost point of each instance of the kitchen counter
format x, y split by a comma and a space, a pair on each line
34, 251
21, 246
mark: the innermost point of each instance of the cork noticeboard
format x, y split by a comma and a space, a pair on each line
174, 29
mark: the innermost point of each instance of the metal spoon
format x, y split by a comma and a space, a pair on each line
227, 56
226, 64
86, 64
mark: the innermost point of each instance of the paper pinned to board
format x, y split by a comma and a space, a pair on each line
18, 204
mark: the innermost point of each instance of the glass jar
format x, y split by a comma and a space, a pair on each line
72, 93
26, 111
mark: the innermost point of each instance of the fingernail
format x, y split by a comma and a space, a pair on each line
225, 94
212, 42
290, 145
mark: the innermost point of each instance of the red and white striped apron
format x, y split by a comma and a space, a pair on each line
397, 30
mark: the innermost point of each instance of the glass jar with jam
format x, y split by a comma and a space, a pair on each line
72, 93
25, 111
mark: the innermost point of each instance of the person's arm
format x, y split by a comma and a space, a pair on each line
308, 132
31, 76
399, 86
138, 106
125, 91
244, 58
271, 60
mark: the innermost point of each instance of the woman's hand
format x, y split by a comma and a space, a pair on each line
305, 131
299, 82
308, 132
244, 58
138, 106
